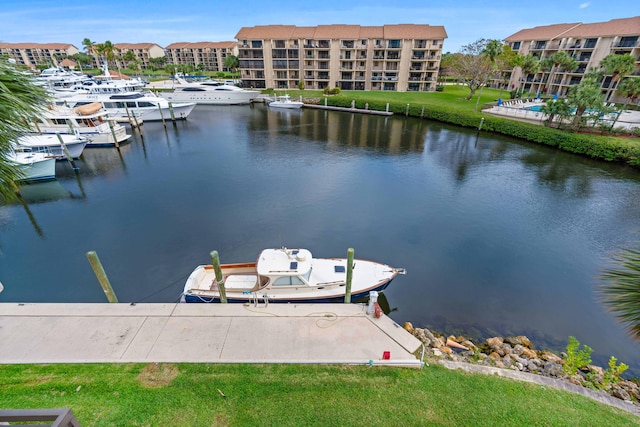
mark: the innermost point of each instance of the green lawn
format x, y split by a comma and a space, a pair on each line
293, 395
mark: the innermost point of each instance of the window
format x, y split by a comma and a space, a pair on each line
288, 281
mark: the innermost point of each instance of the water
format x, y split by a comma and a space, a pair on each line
499, 237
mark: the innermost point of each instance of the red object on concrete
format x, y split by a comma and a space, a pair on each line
386, 355
377, 310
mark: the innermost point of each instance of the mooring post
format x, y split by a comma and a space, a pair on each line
406, 113
173, 116
102, 276
162, 115
422, 113
347, 291
481, 122
66, 152
387, 109
113, 132
215, 261
325, 102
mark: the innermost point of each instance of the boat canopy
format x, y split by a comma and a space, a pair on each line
284, 262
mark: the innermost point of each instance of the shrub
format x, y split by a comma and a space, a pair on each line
576, 358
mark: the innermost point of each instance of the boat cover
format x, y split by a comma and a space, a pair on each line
86, 110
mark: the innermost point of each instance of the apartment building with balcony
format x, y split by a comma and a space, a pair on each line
32, 55
402, 57
143, 53
587, 43
209, 56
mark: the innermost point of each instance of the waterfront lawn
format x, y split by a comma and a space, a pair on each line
293, 395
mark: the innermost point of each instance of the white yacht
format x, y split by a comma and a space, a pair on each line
208, 92
52, 146
145, 105
90, 120
285, 101
34, 166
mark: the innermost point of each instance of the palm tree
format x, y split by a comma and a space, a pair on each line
107, 50
558, 61
559, 108
529, 64
232, 63
90, 48
618, 66
20, 100
586, 95
621, 294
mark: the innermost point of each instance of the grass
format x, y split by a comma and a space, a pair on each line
293, 395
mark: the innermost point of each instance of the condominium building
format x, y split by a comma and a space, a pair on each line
209, 56
587, 43
404, 57
142, 52
32, 55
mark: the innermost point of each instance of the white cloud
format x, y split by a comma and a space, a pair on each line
584, 5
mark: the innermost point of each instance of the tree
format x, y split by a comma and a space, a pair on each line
529, 64
559, 108
618, 66
472, 66
81, 58
621, 291
20, 100
90, 48
107, 50
232, 63
586, 96
556, 62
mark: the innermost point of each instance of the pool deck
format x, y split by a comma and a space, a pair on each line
521, 110
202, 333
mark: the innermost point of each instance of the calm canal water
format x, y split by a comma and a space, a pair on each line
498, 237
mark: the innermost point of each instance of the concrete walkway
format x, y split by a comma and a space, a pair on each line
203, 333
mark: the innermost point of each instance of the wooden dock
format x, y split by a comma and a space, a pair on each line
349, 109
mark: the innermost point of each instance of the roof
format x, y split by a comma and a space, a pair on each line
133, 46
284, 262
51, 46
202, 45
614, 27
66, 62
342, 31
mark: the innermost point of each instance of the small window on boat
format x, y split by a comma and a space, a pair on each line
339, 268
293, 265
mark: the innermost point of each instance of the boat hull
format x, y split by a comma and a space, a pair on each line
35, 166
211, 98
194, 298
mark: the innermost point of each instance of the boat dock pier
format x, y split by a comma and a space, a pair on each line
349, 109
203, 333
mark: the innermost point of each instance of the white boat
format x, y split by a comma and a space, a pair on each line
35, 166
90, 120
50, 144
145, 105
285, 101
56, 78
209, 93
288, 275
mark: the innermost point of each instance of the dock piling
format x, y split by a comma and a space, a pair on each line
347, 291
162, 115
92, 256
173, 117
66, 152
215, 261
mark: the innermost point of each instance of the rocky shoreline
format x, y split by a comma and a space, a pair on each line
517, 354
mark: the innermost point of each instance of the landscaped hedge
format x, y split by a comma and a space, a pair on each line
600, 147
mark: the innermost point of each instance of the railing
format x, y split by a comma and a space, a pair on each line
59, 417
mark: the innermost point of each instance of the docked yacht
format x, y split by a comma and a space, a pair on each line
144, 105
288, 275
33, 165
90, 120
208, 92
285, 101
53, 145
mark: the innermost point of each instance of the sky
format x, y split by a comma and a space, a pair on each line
168, 21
